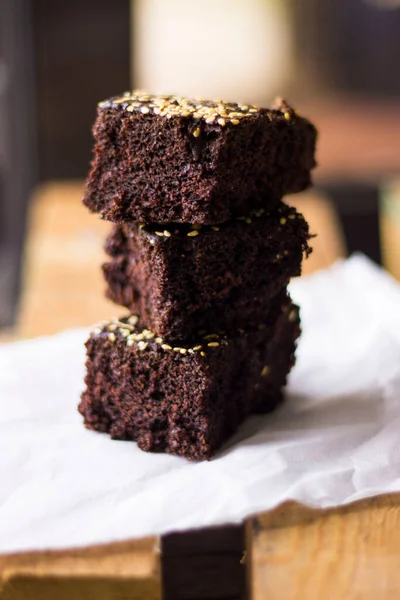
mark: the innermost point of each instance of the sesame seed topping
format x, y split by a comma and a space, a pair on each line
248, 220
166, 347
202, 353
167, 233
264, 371
125, 332
292, 315
142, 345
145, 110
287, 116
221, 122
159, 233
215, 228
183, 350
197, 348
292, 216
112, 337
97, 330
130, 342
282, 220
193, 233
133, 320
176, 349
158, 340
235, 121
112, 327
210, 120
213, 344
130, 108
196, 132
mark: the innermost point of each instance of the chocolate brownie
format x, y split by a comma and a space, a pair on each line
171, 159
181, 280
184, 400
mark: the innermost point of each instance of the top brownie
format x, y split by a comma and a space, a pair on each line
170, 159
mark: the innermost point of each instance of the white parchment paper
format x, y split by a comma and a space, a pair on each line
335, 440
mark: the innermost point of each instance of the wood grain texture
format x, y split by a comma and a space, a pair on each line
121, 571
390, 226
298, 553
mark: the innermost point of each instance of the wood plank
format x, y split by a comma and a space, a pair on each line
128, 570
297, 553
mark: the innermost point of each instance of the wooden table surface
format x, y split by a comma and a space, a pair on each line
292, 552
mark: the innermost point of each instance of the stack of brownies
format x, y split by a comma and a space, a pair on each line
201, 252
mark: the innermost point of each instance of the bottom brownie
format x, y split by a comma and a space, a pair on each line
184, 400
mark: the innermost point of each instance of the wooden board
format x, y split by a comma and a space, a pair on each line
128, 570
297, 553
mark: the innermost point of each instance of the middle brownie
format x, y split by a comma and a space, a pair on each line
184, 279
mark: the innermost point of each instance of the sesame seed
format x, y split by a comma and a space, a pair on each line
282, 220
193, 233
197, 348
292, 216
248, 220
196, 225
292, 315
97, 330
235, 121
264, 371
287, 116
176, 349
202, 353
210, 120
167, 233
147, 334
244, 107
141, 225
130, 108
124, 332
112, 327
142, 345
112, 337
166, 347
183, 350
213, 344
196, 132
159, 233
139, 336
130, 342
133, 320
253, 110
191, 351
158, 340
211, 336
221, 122
215, 228
145, 110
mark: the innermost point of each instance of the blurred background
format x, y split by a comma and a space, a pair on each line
336, 61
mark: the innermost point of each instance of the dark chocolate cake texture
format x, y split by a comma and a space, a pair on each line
160, 159
181, 280
202, 250
185, 400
